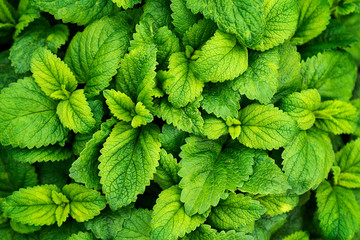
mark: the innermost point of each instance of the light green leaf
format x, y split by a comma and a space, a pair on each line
120, 105
82, 236
298, 236
182, 17
281, 17
169, 219
137, 227
301, 106
182, 86
142, 117
314, 16
267, 177
23, 121
85, 203
52, 75
166, 172
125, 4
137, 73
260, 80
215, 127
240, 17
221, 100
235, 212
86, 10
206, 232
337, 117
348, 159
94, 54
221, 58
128, 161
85, 168
14, 175
278, 204
338, 211
325, 71
37, 206
307, 160
25, 19
187, 119
75, 113
208, 168
199, 33
265, 127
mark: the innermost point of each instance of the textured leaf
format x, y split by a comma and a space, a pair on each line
240, 17
25, 19
172, 139
208, 168
221, 58
298, 236
314, 16
267, 225
169, 219
120, 105
281, 17
215, 127
28, 116
75, 113
82, 236
86, 10
159, 12
337, 211
37, 206
137, 227
307, 160
267, 178
126, 3
52, 75
337, 117
94, 54
325, 71
265, 127
166, 172
235, 212
182, 17
85, 168
278, 204
23, 228
301, 106
199, 33
182, 86
128, 161
206, 232
85, 203
221, 100
260, 80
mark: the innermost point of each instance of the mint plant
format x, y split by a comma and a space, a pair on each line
179, 119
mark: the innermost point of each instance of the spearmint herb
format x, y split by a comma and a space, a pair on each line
179, 119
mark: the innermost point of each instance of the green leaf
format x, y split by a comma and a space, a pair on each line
108, 223
348, 161
221, 58
281, 19
298, 236
199, 33
38, 34
30, 14
120, 105
137, 227
94, 54
125, 4
314, 16
85, 203
37, 206
307, 160
7, 72
187, 119
75, 113
23, 121
137, 73
325, 71
67, 229
82, 236
260, 80
86, 10
278, 204
182, 17
128, 161
267, 225
235, 212
265, 127
52, 75
14, 175
169, 219
267, 177
240, 17
166, 172
172, 139
337, 211
8, 13
182, 86
43, 154
221, 100
208, 168
337, 117
85, 168
215, 127
159, 12
301, 106
23, 228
